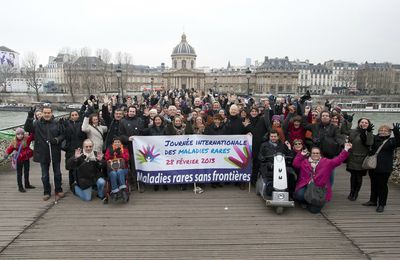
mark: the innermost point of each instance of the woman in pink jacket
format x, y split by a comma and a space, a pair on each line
321, 168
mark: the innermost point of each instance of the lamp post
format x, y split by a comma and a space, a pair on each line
151, 83
248, 72
215, 85
120, 92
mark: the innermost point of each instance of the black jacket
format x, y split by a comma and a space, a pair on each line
87, 172
130, 126
214, 130
267, 153
112, 125
385, 156
45, 131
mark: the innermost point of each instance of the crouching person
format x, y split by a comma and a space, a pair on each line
87, 165
316, 171
117, 157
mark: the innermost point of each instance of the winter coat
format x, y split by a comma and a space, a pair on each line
124, 154
361, 141
322, 172
267, 153
234, 126
87, 172
26, 152
74, 137
385, 156
262, 127
214, 130
45, 130
327, 138
95, 133
112, 125
130, 126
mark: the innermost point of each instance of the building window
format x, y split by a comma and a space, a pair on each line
192, 64
175, 64
184, 64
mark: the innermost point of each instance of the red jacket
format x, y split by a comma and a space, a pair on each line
124, 155
26, 152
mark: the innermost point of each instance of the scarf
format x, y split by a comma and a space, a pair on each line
313, 163
113, 148
89, 156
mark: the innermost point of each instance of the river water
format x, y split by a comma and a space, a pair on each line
8, 119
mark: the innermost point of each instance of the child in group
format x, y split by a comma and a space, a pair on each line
23, 152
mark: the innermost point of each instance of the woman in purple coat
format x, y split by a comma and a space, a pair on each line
321, 168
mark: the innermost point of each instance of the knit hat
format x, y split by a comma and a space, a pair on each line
338, 109
276, 118
19, 130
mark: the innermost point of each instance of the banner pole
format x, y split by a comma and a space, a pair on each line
195, 188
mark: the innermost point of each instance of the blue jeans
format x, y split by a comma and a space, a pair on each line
46, 179
299, 196
86, 194
117, 179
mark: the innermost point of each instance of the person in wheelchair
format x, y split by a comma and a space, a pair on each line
117, 157
86, 165
268, 150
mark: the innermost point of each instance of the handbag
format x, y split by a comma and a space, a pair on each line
315, 195
14, 159
369, 162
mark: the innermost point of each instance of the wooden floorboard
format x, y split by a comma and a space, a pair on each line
223, 223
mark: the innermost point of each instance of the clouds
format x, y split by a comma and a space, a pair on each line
356, 30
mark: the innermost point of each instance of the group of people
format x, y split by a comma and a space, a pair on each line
97, 141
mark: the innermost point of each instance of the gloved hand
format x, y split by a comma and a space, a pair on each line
54, 141
31, 112
396, 127
348, 117
370, 128
118, 151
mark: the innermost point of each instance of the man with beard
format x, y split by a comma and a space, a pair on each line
87, 165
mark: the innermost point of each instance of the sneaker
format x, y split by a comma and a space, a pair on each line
21, 189
46, 197
125, 195
60, 195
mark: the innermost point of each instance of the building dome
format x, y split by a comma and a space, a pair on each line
183, 48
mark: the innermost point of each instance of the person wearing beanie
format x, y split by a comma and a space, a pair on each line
276, 125
20, 145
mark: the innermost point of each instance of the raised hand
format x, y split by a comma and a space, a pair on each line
99, 156
396, 127
304, 152
106, 100
370, 127
288, 145
31, 112
78, 152
307, 110
348, 146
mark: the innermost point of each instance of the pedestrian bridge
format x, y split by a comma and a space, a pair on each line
223, 223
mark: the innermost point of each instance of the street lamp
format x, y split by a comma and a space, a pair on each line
151, 83
215, 85
248, 72
120, 93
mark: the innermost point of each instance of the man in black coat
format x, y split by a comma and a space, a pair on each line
112, 123
325, 135
131, 126
48, 137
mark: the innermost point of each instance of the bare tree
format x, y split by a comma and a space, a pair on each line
70, 70
85, 68
125, 61
106, 73
31, 70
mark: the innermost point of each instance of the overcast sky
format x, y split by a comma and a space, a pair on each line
219, 30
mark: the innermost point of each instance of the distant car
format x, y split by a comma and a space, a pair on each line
74, 106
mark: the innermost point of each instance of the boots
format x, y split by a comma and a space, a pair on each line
28, 185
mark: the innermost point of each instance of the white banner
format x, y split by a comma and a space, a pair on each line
183, 159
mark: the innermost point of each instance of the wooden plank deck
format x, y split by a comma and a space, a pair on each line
223, 223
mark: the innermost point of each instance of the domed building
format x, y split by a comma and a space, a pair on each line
183, 73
